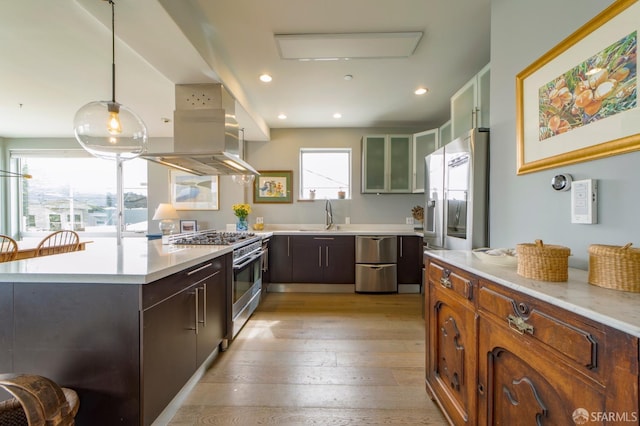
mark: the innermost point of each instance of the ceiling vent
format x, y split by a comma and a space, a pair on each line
325, 47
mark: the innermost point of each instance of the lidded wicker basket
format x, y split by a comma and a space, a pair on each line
543, 262
615, 267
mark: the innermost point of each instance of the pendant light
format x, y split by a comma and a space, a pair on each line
107, 129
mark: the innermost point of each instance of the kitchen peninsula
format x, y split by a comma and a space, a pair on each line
125, 326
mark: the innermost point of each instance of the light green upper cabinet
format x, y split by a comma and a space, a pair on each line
386, 163
470, 104
424, 143
444, 133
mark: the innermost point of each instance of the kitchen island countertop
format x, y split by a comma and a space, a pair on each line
135, 261
616, 309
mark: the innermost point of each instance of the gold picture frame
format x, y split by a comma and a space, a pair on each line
557, 121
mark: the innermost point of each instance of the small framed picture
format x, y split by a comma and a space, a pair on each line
188, 226
273, 186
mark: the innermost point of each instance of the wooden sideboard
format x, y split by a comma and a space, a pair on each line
496, 355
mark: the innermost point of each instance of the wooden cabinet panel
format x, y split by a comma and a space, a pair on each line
6, 327
451, 368
409, 259
329, 260
519, 384
280, 259
452, 279
212, 313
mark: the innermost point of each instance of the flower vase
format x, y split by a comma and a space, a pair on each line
242, 225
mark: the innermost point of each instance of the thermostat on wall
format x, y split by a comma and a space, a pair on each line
584, 201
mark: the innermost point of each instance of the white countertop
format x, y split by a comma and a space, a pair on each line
617, 309
343, 229
135, 261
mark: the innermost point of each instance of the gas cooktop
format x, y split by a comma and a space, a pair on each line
212, 237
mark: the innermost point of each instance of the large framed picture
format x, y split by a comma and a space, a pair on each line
273, 186
191, 192
578, 102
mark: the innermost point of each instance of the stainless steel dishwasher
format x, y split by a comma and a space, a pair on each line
376, 264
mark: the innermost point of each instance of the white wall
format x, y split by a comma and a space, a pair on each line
524, 208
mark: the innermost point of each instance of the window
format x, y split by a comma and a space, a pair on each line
71, 190
325, 173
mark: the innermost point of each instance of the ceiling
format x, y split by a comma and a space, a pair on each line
56, 57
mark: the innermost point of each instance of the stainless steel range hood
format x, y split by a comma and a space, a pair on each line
205, 133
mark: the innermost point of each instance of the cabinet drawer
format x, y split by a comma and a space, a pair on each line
452, 279
563, 333
157, 291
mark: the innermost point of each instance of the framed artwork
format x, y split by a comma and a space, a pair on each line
273, 186
191, 192
578, 102
188, 226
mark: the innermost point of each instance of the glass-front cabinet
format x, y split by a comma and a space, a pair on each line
386, 163
424, 143
470, 104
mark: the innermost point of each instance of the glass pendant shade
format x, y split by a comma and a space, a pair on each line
245, 180
109, 130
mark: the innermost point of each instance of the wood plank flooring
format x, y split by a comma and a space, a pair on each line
320, 359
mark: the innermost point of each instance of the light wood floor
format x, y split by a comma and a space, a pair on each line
320, 359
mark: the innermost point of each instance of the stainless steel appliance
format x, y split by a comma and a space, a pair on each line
376, 264
457, 192
246, 283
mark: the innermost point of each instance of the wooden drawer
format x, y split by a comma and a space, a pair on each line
566, 335
452, 279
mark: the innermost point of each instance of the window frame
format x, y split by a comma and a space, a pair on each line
342, 150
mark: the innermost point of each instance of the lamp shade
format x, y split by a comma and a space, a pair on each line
107, 129
165, 211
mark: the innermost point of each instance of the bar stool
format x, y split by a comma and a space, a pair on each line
8, 248
37, 401
58, 242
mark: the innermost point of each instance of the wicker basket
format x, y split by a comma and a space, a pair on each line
543, 262
615, 267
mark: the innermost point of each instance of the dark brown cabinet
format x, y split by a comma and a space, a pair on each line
498, 356
126, 349
280, 259
320, 259
184, 320
409, 259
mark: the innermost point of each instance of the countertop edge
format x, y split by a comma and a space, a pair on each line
610, 307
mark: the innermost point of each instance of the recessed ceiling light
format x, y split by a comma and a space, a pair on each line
337, 115
282, 116
421, 91
265, 78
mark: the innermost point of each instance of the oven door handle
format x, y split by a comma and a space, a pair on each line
257, 255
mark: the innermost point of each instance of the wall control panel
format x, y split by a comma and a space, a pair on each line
584, 201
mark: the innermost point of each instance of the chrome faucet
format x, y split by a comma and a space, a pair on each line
328, 215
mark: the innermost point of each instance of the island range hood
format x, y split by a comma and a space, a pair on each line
205, 133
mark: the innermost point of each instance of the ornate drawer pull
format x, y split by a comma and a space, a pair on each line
446, 282
519, 325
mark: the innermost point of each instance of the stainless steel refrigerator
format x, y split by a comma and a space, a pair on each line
457, 193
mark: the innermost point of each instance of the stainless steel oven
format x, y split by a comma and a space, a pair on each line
246, 283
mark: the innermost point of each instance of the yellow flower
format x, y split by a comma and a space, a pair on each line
241, 210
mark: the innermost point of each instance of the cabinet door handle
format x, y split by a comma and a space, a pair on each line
319, 257
446, 282
204, 305
326, 257
199, 269
519, 325
196, 319
401, 244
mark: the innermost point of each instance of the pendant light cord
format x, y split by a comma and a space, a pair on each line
113, 51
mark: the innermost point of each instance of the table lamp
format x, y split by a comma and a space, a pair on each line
166, 214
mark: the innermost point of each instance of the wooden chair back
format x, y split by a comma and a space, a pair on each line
8, 248
37, 400
58, 242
